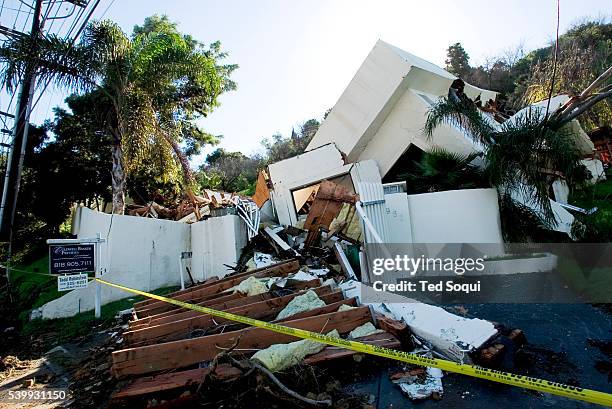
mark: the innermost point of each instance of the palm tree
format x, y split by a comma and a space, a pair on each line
157, 82
527, 153
439, 170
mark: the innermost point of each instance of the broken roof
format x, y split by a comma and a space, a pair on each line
382, 79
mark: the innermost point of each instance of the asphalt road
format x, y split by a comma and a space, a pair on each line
567, 343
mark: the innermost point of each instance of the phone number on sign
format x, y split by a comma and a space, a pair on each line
24, 395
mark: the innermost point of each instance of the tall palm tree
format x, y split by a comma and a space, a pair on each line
527, 153
158, 82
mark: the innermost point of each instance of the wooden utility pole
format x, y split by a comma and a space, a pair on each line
12, 178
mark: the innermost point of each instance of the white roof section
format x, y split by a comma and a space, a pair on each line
383, 78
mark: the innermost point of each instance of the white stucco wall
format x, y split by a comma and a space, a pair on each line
143, 253
215, 242
455, 216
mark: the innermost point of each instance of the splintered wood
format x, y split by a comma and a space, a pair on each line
189, 210
326, 206
165, 345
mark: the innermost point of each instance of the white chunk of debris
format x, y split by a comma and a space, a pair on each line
305, 302
262, 259
278, 357
320, 272
299, 276
432, 383
450, 334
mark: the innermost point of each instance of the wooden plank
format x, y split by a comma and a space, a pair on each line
216, 280
165, 382
382, 339
216, 288
282, 244
180, 354
223, 303
144, 322
184, 379
263, 310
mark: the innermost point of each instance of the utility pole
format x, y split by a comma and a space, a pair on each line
21, 127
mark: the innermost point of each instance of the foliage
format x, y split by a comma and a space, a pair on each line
523, 155
158, 82
228, 171
585, 51
279, 148
596, 227
440, 170
457, 60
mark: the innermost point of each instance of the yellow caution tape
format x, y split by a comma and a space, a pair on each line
541, 385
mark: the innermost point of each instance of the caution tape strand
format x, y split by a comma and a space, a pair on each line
541, 385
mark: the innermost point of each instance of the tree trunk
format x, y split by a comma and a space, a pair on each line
118, 176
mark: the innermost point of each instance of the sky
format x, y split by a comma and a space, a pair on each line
297, 56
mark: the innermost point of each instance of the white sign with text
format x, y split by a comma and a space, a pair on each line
71, 282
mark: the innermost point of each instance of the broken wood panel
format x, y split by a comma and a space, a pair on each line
215, 280
215, 289
326, 207
144, 322
192, 377
262, 191
222, 304
165, 382
264, 310
179, 354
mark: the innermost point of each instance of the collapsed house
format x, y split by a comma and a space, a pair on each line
317, 210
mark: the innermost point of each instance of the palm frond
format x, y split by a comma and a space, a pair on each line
463, 115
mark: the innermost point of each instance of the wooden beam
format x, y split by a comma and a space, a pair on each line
263, 310
222, 303
184, 379
176, 380
180, 354
273, 267
216, 288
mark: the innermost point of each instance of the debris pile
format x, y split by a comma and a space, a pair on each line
304, 276
189, 210
158, 339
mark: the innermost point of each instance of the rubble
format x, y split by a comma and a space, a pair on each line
191, 209
310, 281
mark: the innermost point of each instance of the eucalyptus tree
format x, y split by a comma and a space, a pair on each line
158, 83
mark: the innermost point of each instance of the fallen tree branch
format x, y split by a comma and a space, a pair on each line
293, 394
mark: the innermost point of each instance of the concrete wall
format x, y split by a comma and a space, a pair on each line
454, 216
215, 242
143, 253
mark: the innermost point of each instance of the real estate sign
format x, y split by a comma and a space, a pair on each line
71, 258
71, 282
